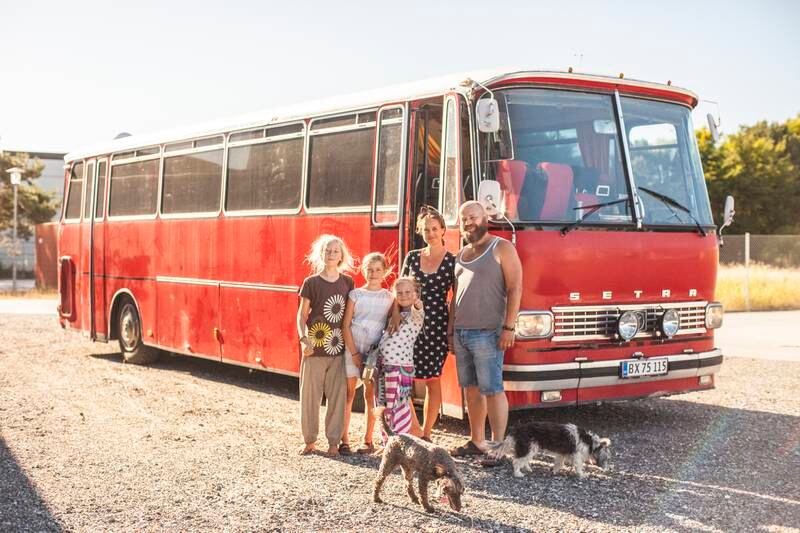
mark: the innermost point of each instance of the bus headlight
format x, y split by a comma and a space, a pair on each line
628, 325
670, 323
714, 315
534, 324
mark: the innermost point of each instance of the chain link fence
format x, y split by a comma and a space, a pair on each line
24, 255
780, 251
759, 272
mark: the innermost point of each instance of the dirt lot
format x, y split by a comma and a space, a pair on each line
87, 444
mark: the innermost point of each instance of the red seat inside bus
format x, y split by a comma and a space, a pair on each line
547, 193
539, 188
591, 186
511, 175
550, 191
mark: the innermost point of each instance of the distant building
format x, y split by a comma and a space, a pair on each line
52, 178
52, 181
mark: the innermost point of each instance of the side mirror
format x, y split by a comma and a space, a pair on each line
488, 115
714, 129
729, 211
489, 195
728, 217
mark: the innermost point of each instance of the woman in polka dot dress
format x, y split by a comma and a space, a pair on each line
433, 268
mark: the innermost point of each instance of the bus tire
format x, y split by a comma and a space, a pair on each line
129, 327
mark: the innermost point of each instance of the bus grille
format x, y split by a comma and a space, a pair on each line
599, 322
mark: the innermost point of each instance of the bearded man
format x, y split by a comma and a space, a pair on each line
487, 295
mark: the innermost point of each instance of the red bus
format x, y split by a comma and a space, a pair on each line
192, 241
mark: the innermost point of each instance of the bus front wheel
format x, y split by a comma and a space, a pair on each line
130, 337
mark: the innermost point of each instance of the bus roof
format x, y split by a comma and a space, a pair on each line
360, 100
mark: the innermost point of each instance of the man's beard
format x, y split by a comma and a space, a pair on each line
477, 234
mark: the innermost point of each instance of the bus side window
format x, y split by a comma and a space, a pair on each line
449, 193
388, 167
88, 186
340, 158
467, 175
134, 188
427, 155
72, 211
100, 205
267, 175
192, 183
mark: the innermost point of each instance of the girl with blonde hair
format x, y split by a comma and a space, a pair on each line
396, 362
319, 326
364, 321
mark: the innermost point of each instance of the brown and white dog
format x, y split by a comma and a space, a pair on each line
565, 442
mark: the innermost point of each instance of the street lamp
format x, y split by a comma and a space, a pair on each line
16, 179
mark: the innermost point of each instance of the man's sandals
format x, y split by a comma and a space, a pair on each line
469, 448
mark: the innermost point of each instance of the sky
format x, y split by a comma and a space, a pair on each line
75, 73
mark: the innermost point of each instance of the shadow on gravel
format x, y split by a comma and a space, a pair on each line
675, 464
258, 380
444, 516
21, 508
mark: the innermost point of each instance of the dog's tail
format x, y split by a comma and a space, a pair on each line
384, 423
498, 450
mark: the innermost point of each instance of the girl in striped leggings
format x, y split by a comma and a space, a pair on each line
396, 367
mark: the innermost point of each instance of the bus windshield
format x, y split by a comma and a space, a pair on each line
556, 152
665, 160
557, 158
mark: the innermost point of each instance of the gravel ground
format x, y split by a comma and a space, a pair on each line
88, 444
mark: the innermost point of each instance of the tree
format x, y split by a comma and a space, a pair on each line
760, 166
34, 205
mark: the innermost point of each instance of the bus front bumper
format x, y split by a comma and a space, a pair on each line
686, 368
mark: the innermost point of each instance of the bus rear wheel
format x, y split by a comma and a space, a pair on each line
130, 337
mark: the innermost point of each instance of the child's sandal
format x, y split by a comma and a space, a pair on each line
344, 449
365, 448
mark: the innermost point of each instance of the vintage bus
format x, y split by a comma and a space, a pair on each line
193, 241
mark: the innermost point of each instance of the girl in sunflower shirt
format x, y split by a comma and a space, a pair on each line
319, 326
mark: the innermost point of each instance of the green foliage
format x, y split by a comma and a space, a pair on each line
760, 166
34, 205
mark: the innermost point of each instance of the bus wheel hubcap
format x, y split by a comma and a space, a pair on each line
128, 330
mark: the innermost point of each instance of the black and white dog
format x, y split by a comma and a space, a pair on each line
565, 442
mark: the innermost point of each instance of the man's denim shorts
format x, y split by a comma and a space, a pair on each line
479, 361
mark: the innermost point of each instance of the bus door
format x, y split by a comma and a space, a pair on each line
444, 169
84, 281
426, 157
455, 174
69, 244
391, 147
442, 161
97, 265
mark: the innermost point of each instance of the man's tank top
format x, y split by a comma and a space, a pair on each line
481, 295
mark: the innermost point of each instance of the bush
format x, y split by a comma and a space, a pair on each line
770, 288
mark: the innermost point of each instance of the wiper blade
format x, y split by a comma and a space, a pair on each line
590, 210
671, 202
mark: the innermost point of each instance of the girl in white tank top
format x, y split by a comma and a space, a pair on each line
364, 321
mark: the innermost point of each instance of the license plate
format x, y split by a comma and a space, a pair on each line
643, 367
